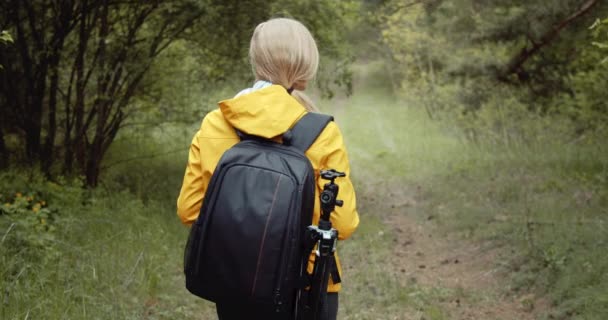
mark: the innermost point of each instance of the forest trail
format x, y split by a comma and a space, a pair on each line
461, 279
427, 272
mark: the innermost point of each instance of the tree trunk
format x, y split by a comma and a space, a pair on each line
32, 86
101, 104
33, 127
3, 151
77, 144
62, 27
48, 150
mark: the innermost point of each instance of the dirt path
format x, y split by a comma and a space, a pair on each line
466, 274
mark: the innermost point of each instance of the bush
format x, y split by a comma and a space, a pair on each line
29, 217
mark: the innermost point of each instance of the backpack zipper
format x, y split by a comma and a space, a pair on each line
284, 263
255, 278
277, 293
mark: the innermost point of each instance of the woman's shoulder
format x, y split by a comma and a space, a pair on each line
215, 126
330, 138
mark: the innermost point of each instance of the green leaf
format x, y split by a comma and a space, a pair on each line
5, 37
600, 45
595, 24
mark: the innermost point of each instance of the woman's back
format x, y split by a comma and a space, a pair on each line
268, 112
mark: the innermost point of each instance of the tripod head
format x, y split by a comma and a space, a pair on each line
329, 195
331, 174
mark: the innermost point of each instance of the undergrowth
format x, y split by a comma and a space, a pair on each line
70, 253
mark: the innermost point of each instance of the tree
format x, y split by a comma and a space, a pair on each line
462, 54
114, 46
79, 69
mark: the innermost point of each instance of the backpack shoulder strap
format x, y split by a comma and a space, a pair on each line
304, 133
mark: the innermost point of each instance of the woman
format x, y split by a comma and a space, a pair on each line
284, 58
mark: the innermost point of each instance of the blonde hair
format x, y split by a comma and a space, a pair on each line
283, 51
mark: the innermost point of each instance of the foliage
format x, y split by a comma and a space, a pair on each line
100, 253
5, 37
93, 55
29, 208
83, 70
601, 38
461, 57
27, 214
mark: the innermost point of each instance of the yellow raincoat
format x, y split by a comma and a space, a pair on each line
268, 113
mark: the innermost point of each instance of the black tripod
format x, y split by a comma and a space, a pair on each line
325, 238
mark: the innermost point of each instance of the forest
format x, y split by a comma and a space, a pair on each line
476, 133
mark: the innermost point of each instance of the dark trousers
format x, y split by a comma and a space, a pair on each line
227, 311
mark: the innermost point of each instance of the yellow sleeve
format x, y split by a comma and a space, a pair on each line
345, 219
193, 187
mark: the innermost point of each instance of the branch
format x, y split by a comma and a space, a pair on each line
158, 46
391, 10
36, 34
517, 62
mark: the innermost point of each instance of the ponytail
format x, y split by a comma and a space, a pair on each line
304, 100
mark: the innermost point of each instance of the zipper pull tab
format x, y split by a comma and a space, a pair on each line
277, 301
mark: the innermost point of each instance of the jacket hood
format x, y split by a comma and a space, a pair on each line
266, 113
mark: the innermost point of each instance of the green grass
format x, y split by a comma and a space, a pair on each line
111, 256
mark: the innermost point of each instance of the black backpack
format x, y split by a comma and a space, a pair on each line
247, 244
